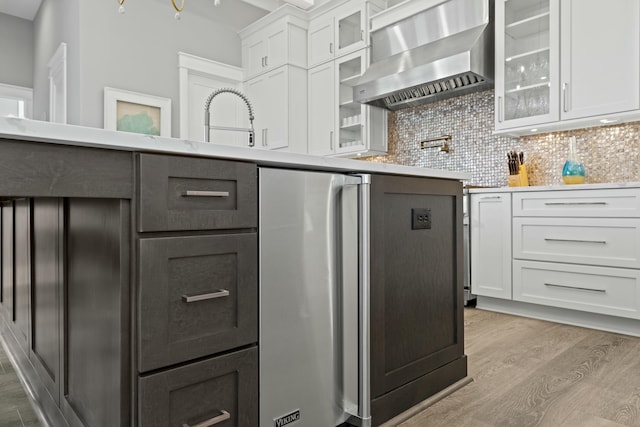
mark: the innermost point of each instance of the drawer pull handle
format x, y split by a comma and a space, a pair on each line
601, 242
553, 285
574, 203
211, 422
491, 197
202, 297
200, 193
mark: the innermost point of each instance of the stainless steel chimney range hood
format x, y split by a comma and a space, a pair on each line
443, 51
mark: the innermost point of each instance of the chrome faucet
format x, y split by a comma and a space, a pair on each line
207, 127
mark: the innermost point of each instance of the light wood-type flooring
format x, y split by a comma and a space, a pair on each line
529, 372
525, 372
15, 409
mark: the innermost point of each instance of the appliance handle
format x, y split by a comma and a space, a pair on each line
363, 417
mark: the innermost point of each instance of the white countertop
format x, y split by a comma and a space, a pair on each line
38, 131
608, 185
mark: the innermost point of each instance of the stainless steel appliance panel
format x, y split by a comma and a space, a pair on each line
307, 358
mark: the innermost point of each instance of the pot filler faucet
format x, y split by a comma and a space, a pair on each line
207, 127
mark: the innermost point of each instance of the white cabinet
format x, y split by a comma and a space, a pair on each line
321, 46
322, 110
280, 108
340, 31
338, 125
600, 57
578, 250
565, 64
527, 62
490, 228
277, 39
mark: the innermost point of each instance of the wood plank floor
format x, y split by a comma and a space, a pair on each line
530, 372
15, 409
526, 372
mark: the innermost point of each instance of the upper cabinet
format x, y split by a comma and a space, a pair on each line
600, 57
277, 39
340, 31
527, 57
566, 64
337, 124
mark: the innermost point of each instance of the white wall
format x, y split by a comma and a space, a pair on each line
16, 51
57, 21
136, 51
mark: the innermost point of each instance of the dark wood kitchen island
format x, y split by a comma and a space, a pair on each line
94, 241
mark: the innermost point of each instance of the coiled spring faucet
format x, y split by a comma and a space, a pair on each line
208, 127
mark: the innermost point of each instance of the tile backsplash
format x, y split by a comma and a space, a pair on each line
609, 153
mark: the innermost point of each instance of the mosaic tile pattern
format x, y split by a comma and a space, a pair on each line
609, 153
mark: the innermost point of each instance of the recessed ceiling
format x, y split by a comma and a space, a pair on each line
25, 9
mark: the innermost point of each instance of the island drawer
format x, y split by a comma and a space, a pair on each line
622, 203
198, 295
186, 193
223, 389
604, 290
613, 242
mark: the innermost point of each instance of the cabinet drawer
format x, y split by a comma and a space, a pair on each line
198, 296
225, 387
186, 193
613, 242
579, 203
612, 291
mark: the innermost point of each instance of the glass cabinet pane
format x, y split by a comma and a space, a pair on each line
350, 112
350, 30
526, 64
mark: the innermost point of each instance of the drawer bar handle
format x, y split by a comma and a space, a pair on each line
553, 285
202, 297
602, 242
491, 197
213, 421
574, 203
201, 193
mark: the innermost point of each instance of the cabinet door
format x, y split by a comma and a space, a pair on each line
276, 134
416, 291
269, 94
600, 57
350, 29
276, 46
322, 109
254, 52
490, 228
221, 391
198, 296
527, 62
184, 193
320, 34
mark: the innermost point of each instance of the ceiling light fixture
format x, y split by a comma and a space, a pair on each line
173, 2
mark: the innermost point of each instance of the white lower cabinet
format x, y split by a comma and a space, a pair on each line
569, 255
578, 249
609, 242
490, 227
603, 290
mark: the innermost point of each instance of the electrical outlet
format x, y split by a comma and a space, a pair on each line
420, 218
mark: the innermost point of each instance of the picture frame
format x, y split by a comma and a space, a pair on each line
135, 112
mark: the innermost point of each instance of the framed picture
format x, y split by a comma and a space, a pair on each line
136, 112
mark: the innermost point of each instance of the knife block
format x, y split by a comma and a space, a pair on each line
521, 179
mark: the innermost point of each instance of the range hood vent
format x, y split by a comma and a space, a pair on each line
443, 51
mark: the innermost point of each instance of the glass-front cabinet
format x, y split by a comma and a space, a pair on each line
527, 62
